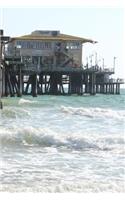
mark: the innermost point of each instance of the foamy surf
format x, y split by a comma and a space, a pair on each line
14, 113
45, 138
46, 147
94, 112
73, 185
26, 101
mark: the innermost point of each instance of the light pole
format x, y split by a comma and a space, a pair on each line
96, 61
91, 59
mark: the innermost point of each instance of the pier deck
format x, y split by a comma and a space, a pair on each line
20, 79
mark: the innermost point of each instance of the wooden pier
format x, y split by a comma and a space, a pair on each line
58, 71
19, 81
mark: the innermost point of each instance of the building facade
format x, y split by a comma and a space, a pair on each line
44, 49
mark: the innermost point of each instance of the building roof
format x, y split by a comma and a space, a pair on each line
58, 37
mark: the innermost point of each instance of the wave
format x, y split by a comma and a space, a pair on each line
26, 101
94, 112
45, 137
51, 186
14, 113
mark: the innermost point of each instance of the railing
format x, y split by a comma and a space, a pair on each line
63, 69
107, 70
12, 53
98, 69
118, 80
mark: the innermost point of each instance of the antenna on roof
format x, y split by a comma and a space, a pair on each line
114, 62
87, 62
103, 63
96, 61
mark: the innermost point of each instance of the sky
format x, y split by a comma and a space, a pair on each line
102, 24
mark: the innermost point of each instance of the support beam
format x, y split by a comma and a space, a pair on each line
54, 81
3, 81
1, 105
86, 79
92, 84
76, 83
10, 86
117, 88
20, 83
34, 85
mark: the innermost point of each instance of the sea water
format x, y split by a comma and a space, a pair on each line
62, 144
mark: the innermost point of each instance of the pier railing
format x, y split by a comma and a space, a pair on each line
112, 81
16, 61
99, 69
43, 68
118, 80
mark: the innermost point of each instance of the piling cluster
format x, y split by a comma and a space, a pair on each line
17, 82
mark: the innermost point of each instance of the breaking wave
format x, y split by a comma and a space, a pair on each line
14, 113
26, 101
94, 112
62, 144
45, 137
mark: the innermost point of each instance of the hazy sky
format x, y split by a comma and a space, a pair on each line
104, 25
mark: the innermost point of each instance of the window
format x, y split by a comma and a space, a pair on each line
33, 44
73, 45
47, 45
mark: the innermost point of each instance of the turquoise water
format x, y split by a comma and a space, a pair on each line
63, 144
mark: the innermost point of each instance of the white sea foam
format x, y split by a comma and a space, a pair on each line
45, 138
14, 113
26, 101
46, 147
94, 112
89, 185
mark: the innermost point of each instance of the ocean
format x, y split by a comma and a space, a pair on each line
63, 144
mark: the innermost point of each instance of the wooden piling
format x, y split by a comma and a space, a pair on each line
20, 83
117, 88
1, 105
3, 82
34, 85
10, 85
86, 78
45, 84
106, 87
40, 84
75, 83
92, 84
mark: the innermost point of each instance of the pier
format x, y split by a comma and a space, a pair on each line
48, 62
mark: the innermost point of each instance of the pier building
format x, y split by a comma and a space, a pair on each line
49, 62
